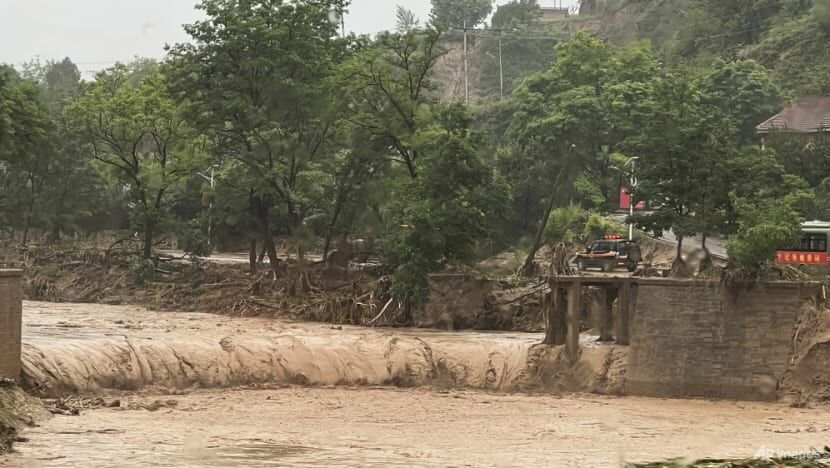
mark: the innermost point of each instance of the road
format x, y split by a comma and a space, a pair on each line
716, 245
231, 258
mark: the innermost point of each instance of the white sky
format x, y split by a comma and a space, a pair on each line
97, 33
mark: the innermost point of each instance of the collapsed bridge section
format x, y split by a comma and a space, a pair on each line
689, 338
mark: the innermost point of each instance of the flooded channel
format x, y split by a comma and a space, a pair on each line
315, 395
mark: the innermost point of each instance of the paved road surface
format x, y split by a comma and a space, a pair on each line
716, 245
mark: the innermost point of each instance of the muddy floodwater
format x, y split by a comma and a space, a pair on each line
203, 390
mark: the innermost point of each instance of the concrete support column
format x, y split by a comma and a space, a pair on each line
606, 311
627, 297
574, 307
11, 309
556, 310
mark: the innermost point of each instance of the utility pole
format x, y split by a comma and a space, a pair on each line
501, 70
466, 81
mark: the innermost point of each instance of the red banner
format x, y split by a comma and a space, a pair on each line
786, 257
625, 200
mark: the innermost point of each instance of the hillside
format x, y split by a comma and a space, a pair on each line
788, 37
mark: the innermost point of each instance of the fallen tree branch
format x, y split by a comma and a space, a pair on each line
382, 311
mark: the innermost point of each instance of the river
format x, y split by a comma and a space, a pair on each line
205, 390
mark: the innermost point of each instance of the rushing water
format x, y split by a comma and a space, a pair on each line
298, 426
317, 396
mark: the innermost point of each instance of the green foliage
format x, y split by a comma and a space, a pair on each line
806, 157
793, 49
445, 210
744, 92
142, 270
460, 13
26, 151
516, 14
574, 117
139, 136
255, 79
597, 226
193, 239
764, 226
405, 20
566, 224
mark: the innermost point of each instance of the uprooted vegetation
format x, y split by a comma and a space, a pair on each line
359, 295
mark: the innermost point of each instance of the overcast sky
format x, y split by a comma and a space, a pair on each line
96, 33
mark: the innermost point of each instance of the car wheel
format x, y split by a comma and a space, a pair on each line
632, 267
580, 266
607, 267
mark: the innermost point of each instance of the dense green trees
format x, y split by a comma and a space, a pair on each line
141, 136
255, 83
570, 121
460, 13
312, 136
26, 153
517, 46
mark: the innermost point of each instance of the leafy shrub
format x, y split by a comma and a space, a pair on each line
565, 223
142, 270
194, 241
765, 226
598, 226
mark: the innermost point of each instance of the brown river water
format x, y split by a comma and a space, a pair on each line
205, 390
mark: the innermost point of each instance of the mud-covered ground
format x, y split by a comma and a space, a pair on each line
412, 427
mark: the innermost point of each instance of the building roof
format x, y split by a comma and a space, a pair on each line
809, 115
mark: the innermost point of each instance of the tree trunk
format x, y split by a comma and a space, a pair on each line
252, 256
331, 228
407, 309
149, 233
261, 257
327, 246
528, 267
28, 223
272, 256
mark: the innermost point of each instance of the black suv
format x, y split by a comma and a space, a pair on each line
610, 253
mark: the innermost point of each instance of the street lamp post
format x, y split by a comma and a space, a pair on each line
633, 182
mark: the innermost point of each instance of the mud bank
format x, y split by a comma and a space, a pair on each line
17, 411
90, 349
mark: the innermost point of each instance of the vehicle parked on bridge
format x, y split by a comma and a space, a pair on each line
813, 255
610, 253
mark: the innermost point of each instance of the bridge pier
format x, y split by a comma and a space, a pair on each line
606, 313
11, 309
565, 301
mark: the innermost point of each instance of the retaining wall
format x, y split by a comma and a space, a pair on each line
699, 339
11, 297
